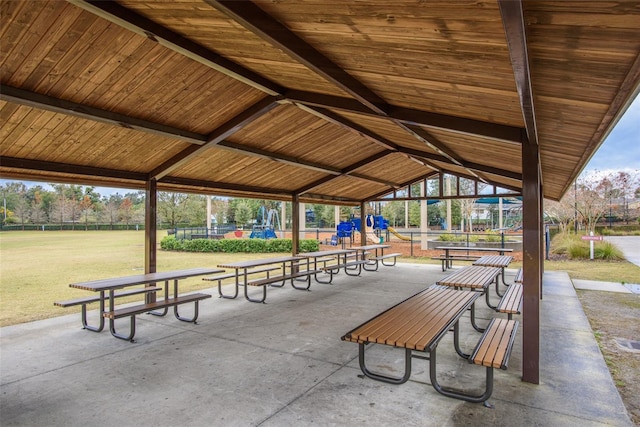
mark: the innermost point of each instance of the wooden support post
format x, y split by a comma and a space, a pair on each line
150, 232
532, 261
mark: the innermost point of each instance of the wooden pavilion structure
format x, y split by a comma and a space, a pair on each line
337, 102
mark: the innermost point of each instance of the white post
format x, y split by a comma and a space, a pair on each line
424, 219
500, 213
303, 220
591, 246
208, 222
448, 203
283, 218
336, 216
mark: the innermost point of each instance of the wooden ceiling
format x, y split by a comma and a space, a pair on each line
335, 101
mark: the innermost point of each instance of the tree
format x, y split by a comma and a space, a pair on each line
393, 211
111, 208
242, 214
562, 212
85, 206
591, 200
626, 183
126, 211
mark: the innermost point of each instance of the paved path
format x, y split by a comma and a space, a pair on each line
629, 245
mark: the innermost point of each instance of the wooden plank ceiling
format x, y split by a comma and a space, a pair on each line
335, 101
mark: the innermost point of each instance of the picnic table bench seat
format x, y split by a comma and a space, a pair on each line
381, 258
164, 304
84, 301
219, 278
511, 301
519, 276
492, 351
282, 278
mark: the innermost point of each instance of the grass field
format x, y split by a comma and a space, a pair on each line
36, 268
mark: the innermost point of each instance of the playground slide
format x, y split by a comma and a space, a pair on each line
373, 238
398, 235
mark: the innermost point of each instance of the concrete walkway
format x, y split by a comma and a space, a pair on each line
630, 247
283, 364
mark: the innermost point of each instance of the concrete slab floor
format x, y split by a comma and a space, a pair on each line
283, 364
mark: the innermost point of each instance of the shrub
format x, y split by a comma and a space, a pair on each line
447, 237
170, 243
578, 251
607, 251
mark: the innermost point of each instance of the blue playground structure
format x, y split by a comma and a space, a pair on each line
373, 223
265, 228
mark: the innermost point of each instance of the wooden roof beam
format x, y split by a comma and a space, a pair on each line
56, 105
252, 113
345, 171
294, 161
66, 168
119, 15
515, 31
409, 116
254, 19
223, 186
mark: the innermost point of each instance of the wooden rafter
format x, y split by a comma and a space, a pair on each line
252, 113
264, 26
410, 116
65, 168
113, 12
301, 163
514, 28
56, 105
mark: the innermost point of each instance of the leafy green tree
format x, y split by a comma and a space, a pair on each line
394, 212
242, 214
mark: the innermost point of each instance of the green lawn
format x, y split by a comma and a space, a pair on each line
36, 267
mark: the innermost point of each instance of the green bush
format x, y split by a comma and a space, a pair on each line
170, 243
575, 248
447, 237
607, 251
578, 251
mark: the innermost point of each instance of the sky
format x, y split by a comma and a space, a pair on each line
621, 149
619, 152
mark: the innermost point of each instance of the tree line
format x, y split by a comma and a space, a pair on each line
595, 196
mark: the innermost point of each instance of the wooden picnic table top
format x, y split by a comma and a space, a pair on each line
473, 276
142, 279
501, 261
259, 262
370, 247
328, 252
417, 323
472, 249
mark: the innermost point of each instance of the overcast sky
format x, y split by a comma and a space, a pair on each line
621, 149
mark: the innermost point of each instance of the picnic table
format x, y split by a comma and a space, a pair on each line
376, 257
291, 263
107, 291
332, 261
500, 261
420, 322
475, 278
449, 256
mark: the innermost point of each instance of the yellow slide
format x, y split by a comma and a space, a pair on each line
398, 235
